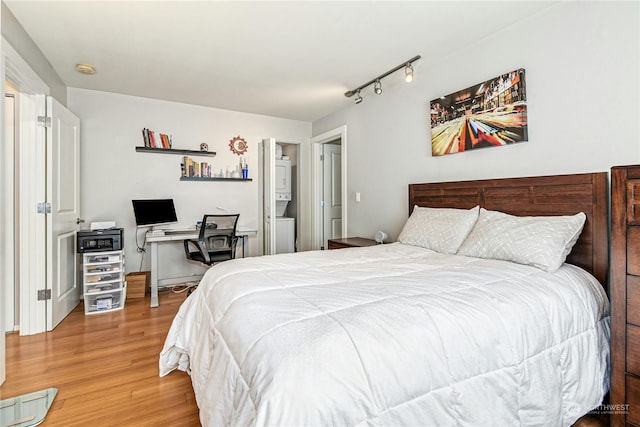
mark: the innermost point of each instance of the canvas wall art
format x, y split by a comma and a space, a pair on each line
491, 113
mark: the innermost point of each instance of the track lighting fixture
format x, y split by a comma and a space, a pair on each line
358, 98
377, 84
377, 87
408, 73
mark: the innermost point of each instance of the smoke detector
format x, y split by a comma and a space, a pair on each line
85, 68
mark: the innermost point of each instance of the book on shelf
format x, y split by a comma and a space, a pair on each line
145, 137
166, 140
151, 140
192, 168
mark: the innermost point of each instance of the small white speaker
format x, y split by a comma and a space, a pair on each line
380, 236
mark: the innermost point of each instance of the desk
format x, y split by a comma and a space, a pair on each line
179, 236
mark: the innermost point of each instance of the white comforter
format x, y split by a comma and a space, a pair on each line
391, 335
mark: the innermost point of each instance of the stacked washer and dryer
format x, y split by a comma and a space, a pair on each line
285, 226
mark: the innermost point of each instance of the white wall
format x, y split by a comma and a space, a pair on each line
582, 68
113, 173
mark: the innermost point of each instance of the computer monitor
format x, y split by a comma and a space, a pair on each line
154, 212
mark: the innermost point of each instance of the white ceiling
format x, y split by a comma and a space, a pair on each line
285, 59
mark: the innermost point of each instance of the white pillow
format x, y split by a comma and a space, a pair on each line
440, 229
543, 241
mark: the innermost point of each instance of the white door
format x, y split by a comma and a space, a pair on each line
269, 195
331, 192
63, 194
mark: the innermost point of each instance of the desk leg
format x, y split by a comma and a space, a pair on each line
154, 274
245, 242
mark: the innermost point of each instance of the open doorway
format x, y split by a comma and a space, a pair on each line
280, 195
329, 214
39, 181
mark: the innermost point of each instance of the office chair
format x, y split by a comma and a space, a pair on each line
216, 241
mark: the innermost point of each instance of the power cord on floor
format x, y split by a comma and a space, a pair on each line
184, 287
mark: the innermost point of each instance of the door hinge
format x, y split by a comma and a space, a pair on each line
322, 157
322, 203
44, 121
44, 294
44, 208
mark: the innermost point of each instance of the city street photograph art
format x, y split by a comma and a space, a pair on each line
488, 114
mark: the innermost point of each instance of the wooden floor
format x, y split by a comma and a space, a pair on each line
105, 367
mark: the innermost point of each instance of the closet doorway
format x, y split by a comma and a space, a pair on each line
279, 194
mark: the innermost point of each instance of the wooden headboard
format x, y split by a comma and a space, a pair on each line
535, 196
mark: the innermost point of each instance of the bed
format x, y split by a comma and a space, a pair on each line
401, 334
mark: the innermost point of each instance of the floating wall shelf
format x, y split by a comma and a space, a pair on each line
175, 151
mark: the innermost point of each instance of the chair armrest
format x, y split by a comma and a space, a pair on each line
199, 247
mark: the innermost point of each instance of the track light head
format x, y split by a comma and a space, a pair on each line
408, 72
377, 87
358, 99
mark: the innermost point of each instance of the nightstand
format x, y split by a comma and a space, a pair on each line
350, 242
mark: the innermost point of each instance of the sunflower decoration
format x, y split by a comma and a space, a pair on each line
238, 145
